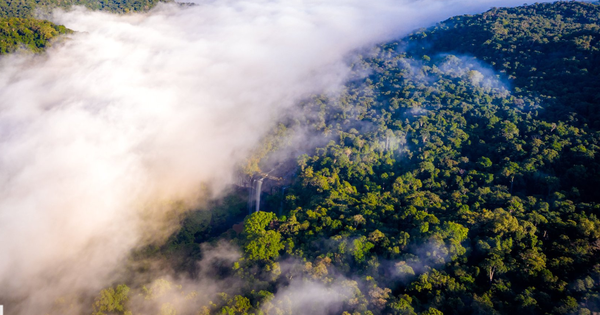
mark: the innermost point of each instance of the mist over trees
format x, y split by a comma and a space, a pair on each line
456, 172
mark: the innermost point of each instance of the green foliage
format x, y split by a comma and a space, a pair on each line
261, 244
27, 8
112, 301
550, 51
28, 33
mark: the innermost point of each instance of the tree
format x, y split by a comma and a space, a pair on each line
259, 243
112, 301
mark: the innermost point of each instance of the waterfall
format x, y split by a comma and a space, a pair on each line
258, 190
251, 196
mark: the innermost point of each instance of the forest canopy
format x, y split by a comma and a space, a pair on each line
28, 33
29, 8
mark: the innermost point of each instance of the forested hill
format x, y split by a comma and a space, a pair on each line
28, 8
549, 51
27, 33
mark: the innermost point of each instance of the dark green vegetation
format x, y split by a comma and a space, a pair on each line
443, 187
28, 8
27, 33
548, 52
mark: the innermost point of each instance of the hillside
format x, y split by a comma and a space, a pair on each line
548, 52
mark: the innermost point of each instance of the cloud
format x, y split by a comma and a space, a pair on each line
478, 73
113, 132
311, 297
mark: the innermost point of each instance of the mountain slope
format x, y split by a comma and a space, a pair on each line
548, 51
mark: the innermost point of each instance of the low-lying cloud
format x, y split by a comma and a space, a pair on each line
112, 131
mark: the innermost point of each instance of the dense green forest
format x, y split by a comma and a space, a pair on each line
29, 8
28, 33
458, 173
548, 52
